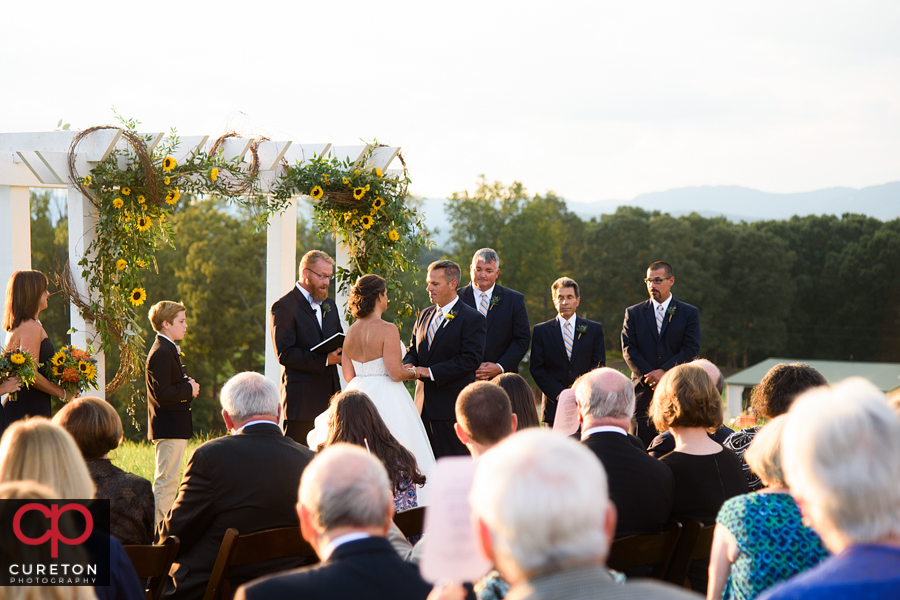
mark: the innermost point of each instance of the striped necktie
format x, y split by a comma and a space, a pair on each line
567, 339
483, 307
435, 324
659, 318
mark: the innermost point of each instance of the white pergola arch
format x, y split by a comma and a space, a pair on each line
40, 160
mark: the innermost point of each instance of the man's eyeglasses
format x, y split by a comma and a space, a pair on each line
319, 275
657, 280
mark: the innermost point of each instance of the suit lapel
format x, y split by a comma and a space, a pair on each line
650, 316
444, 325
467, 295
493, 309
306, 308
556, 332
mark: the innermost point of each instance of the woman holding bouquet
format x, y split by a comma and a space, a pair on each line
26, 297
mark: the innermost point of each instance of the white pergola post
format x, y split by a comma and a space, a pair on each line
281, 273
15, 231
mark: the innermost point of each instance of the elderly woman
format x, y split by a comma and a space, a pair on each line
97, 430
841, 456
760, 539
772, 397
37, 450
687, 403
522, 398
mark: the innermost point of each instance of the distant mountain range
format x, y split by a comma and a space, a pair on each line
733, 202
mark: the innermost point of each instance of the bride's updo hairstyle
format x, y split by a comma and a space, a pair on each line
364, 294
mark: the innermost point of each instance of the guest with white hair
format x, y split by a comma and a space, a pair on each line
543, 516
841, 458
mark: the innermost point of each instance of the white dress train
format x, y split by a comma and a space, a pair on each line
398, 411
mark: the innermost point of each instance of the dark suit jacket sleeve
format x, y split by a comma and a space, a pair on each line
164, 377
292, 352
192, 512
630, 352
471, 349
538, 366
517, 348
598, 350
690, 343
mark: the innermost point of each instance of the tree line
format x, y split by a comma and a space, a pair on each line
813, 287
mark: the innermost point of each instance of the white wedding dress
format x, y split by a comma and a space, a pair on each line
398, 410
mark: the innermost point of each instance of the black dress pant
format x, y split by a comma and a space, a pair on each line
443, 438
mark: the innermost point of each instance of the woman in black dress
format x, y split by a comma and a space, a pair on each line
26, 297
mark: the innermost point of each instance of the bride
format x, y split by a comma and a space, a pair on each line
372, 364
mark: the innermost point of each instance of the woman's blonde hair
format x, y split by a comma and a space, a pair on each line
35, 449
686, 396
764, 454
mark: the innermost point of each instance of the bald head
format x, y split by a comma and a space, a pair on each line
713, 372
605, 393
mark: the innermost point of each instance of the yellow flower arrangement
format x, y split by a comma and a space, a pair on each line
367, 221
316, 193
138, 295
213, 174
169, 163
126, 191
118, 203
358, 193
121, 264
378, 203
393, 235
17, 358
143, 223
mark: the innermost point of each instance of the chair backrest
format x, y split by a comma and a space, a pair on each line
411, 521
237, 549
655, 550
695, 544
152, 563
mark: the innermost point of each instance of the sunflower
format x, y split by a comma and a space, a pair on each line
345, 180
316, 193
58, 370
379, 202
169, 164
166, 180
17, 358
126, 191
91, 371
143, 223
58, 358
173, 196
121, 264
213, 174
393, 235
378, 172
118, 203
367, 187
138, 295
358, 193
366, 221
141, 199
141, 263
86, 180
83, 366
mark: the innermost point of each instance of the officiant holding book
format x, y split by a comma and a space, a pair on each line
299, 321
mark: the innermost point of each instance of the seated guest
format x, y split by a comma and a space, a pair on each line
247, 480
34, 449
354, 419
772, 397
706, 474
640, 487
665, 443
345, 511
841, 456
522, 398
543, 516
483, 417
97, 430
760, 539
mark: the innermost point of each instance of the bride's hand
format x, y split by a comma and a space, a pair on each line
411, 374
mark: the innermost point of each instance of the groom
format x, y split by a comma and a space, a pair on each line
446, 349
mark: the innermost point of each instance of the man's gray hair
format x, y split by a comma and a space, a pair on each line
344, 486
713, 371
248, 394
488, 255
544, 499
840, 452
605, 392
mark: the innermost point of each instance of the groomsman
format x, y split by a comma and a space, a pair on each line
564, 348
446, 348
300, 320
508, 333
658, 334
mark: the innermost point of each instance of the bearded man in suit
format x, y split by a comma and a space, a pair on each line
446, 349
300, 320
564, 348
508, 332
658, 334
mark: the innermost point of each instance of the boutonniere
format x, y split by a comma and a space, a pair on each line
581, 329
326, 308
495, 300
670, 312
449, 317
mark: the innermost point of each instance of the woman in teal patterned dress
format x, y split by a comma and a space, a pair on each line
759, 538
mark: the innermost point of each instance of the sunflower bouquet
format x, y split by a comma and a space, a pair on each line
21, 364
72, 369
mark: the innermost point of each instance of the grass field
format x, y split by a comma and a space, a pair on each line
138, 457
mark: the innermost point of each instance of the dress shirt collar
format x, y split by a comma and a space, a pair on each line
449, 306
256, 422
308, 296
602, 429
665, 304
341, 540
562, 322
478, 293
165, 337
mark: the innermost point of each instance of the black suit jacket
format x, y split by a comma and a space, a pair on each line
552, 370
368, 568
453, 357
646, 350
306, 382
248, 481
508, 332
168, 393
641, 487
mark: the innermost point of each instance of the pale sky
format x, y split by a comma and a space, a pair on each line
593, 100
